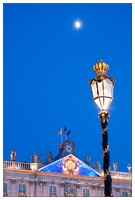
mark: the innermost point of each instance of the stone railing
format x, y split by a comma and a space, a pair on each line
119, 175
16, 165
7, 163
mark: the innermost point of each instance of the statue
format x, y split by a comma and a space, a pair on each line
115, 166
49, 157
87, 160
36, 158
97, 165
13, 155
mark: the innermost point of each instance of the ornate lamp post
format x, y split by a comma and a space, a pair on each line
102, 89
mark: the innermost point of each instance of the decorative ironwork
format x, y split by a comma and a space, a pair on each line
106, 154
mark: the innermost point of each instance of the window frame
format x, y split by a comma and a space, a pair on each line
52, 190
22, 188
86, 192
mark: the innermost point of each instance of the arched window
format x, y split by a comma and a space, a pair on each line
52, 191
124, 194
5, 189
22, 190
85, 192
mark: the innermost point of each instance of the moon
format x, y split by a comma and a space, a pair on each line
77, 24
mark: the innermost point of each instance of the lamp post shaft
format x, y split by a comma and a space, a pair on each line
106, 155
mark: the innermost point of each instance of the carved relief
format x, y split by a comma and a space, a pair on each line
70, 190
31, 182
78, 186
44, 183
13, 181
62, 184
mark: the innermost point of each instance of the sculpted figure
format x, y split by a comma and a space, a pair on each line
49, 157
13, 155
87, 160
36, 158
97, 165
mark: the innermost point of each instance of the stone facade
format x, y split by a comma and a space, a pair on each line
65, 175
38, 183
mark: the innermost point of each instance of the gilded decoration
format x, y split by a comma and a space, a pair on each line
70, 166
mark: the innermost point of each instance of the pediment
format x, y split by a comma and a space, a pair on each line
70, 165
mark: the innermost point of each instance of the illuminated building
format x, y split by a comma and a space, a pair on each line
63, 175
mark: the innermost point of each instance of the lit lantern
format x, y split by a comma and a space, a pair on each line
102, 86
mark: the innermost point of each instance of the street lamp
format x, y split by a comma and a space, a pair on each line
102, 89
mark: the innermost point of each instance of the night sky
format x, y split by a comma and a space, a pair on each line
46, 67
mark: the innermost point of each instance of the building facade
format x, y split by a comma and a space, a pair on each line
62, 176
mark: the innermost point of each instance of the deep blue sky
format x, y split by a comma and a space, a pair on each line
47, 65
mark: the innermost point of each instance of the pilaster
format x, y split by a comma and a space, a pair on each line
61, 189
13, 191
31, 188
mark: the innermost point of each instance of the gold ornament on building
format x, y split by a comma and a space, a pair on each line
101, 67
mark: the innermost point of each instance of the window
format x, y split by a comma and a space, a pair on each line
124, 194
52, 191
22, 188
85, 192
5, 187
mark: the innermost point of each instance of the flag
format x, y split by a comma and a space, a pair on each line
68, 133
60, 132
65, 130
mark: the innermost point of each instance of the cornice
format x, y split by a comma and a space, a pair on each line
30, 172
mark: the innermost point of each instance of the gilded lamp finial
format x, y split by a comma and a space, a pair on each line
101, 67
